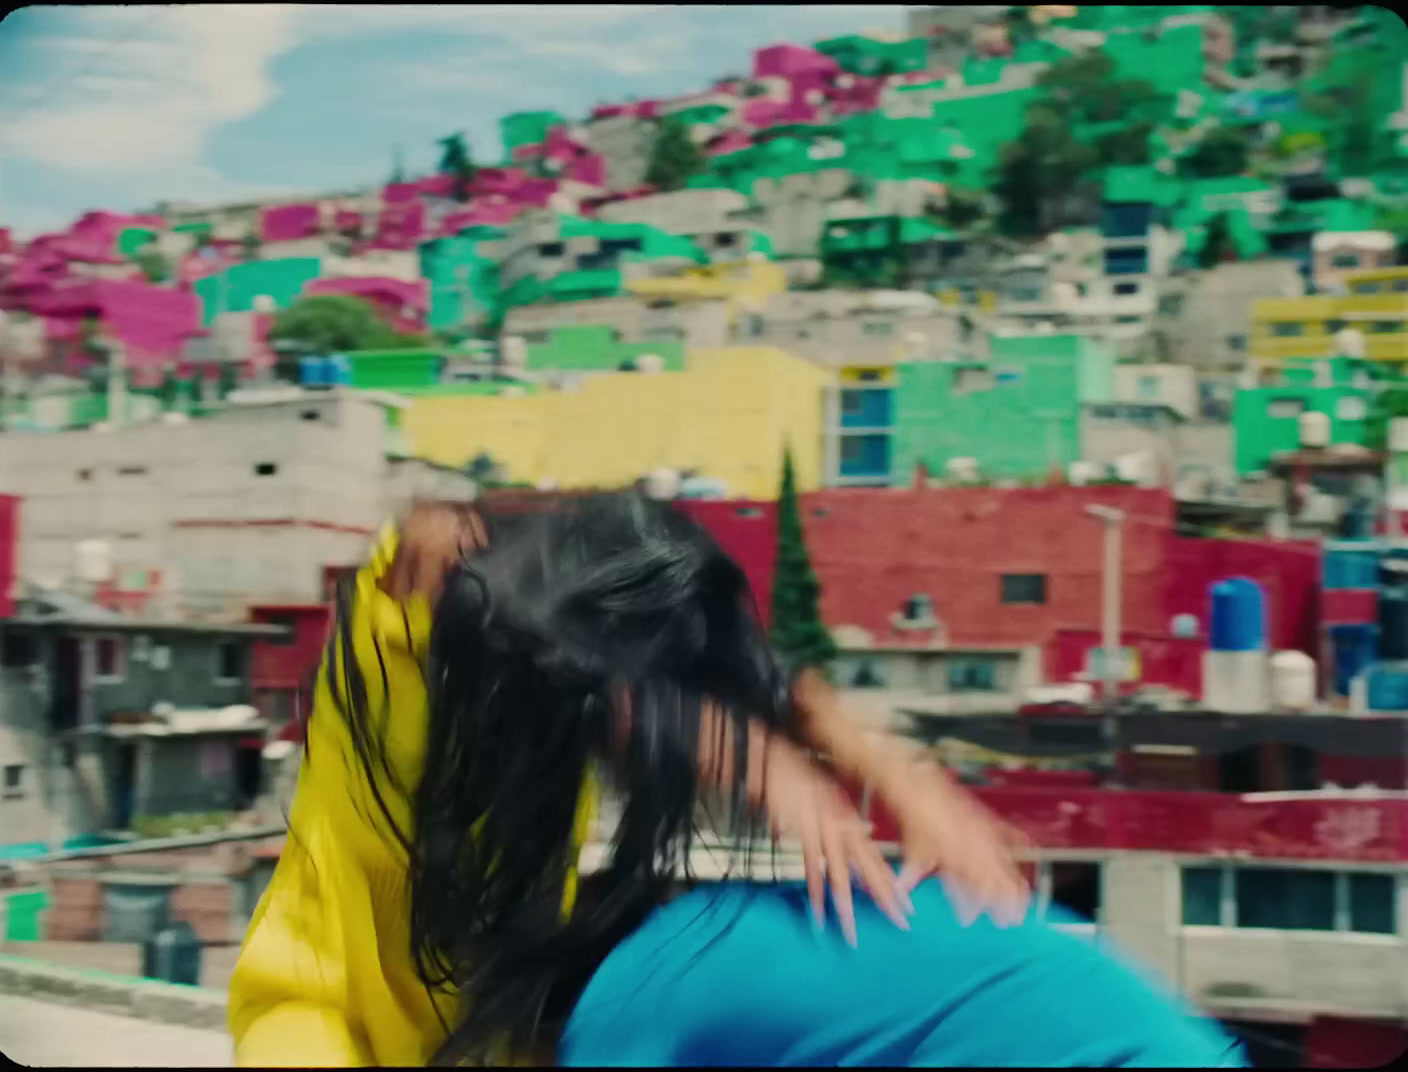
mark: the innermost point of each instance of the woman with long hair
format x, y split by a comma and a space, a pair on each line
486, 673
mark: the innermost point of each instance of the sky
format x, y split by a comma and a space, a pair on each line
121, 107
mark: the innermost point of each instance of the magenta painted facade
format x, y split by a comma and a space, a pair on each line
289, 223
788, 61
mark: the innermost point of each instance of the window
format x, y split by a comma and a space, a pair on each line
18, 650
85, 474
1075, 885
972, 675
1332, 326
867, 676
1024, 294
1345, 260
1023, 587
1384, 327
1293, 899
725, 240
1236, 343
1365, 288
918, 608
877, 327
1371, 903
132, 470
551, 249
1282, 899
1126, 290
1287, 329
1148, 388
230, 661
309, 415
1007, 375
265, 469
1202, 896
110, 661
13, 784
970, 380
1400, 286
1351, 409
287, 622
1285, 408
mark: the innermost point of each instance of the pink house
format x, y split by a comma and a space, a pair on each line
345, 220
152, 323
400, 226
289, 223
789, 61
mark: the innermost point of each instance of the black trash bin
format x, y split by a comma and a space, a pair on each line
172, 955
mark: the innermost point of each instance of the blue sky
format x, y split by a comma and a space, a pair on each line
119, 107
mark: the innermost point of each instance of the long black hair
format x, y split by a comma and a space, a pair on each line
590, 633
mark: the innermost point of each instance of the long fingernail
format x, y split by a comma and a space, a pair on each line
907, 902
818, 921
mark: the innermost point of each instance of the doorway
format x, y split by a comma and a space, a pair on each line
249, 774
66, 701
124, 785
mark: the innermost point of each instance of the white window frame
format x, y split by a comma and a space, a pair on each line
1227, 902
18, 792
120, 673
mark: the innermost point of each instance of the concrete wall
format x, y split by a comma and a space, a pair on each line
247, 504
624, 144
698, 324
1205, 319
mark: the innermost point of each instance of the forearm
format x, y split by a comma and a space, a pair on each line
855, 751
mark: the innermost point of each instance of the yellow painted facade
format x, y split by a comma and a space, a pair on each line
727, 415
1376, 305
746, 285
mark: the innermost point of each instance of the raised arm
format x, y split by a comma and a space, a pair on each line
943, 828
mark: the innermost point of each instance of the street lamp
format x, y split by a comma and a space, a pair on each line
1113, 519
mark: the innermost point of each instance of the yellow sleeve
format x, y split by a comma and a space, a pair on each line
327, 919
325, 977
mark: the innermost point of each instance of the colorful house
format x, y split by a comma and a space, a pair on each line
1376, 306
726, 416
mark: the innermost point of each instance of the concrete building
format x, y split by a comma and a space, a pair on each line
200, 516
1335, 254
623, 142
838, 328
105, 719
726, 417
705, 324
1155, 444
1204, 318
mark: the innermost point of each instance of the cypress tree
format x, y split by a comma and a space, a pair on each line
797, 630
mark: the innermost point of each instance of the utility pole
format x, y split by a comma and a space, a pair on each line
1113, 521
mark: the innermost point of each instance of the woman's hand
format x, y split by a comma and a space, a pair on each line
433, 537
803, 801
944, 830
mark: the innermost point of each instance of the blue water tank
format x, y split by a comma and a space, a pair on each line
1356, 647
338, 371
1388, 687
312, 372
1238, 618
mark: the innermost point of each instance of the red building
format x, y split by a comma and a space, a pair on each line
1024, 566
282, 671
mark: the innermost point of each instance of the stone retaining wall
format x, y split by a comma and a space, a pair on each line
185, 1006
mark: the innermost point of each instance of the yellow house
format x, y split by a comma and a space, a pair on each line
727, 416
1376, 305
746, 285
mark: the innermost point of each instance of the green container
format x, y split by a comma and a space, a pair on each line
24, 915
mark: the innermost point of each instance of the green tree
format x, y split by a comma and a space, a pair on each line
1223, 151
455, 160
333, 323
1039, 174
170, 390
1389, 401
153, 265
1218, 243
797, 629
963, 208
674, 158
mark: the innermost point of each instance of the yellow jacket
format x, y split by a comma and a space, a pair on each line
325, 977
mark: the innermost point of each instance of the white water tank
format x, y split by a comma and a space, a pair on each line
663, 484
1350, 342
1314, 430
92, 561
513, 352
1293, 681
650, 363
1235, 682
